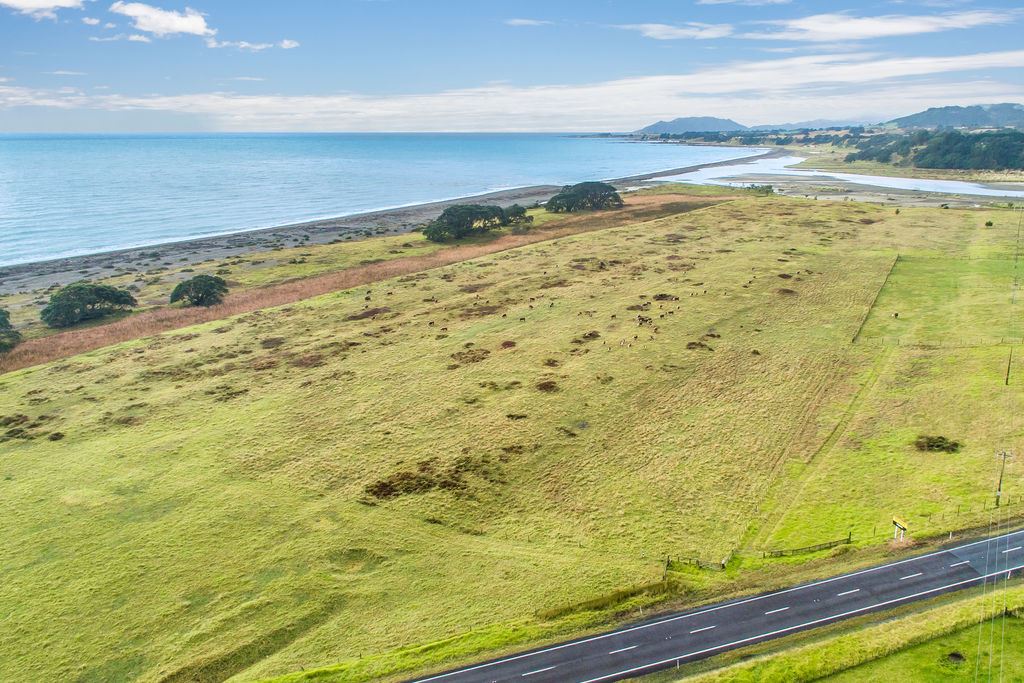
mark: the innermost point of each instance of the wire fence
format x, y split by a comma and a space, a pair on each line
958, 343
809, 548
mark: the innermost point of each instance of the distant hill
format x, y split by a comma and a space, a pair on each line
693, 124
977, 116
710, 124
815, 124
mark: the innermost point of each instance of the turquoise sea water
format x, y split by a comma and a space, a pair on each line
64, 195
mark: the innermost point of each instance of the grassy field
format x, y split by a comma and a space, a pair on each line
954, 657
390, 476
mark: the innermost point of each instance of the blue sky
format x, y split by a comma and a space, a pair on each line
312, 65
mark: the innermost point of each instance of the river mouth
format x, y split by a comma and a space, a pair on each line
779, 169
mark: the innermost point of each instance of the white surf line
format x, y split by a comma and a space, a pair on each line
776, 611
706, 628
910, 576
855, 590
623, 649
813, 622
689, 615
1010, 550
538, 671
959, 564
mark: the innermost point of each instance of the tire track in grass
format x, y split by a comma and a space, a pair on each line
783, 503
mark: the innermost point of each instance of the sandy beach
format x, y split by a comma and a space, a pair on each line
41, 274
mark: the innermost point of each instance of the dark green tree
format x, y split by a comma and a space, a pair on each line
9, 337
516, 214
82, 301
589, 196
201, 290
463, 220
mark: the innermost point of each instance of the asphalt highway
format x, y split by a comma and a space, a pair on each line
668, 641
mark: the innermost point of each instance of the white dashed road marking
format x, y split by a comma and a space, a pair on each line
855, 590
624, 649
706, 628
775, 611
958, 564
910, 576
538, 671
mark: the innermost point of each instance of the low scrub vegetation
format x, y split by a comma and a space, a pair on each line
936, 443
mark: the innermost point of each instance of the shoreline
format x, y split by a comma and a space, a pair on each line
34, 275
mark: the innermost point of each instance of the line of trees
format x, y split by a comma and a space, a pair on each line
83, 301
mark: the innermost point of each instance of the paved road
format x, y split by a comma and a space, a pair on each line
685, 637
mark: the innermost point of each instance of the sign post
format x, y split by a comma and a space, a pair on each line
899, 529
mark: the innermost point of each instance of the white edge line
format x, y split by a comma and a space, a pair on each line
538, 671
799, 626
855, 590
623, 649
711, 609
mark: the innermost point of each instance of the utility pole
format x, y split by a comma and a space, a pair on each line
1004, 454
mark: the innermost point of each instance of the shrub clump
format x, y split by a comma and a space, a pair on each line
936, 443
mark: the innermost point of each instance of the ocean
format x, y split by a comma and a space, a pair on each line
67, 195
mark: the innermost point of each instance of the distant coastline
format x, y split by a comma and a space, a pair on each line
43, 273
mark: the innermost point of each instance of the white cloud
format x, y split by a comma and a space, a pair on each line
110, 24
62, 72
161, 22
248, 78
694, 30
240, 44
527, 22
40, 9
90, 21
288, 44
793, 88
839, 26
132, 38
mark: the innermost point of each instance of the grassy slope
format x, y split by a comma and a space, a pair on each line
207, 513
829, 158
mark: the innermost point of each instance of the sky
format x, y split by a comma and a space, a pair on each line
494, 65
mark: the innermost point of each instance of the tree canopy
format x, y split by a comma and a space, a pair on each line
997, 150
201, 290
82, 301
463, 220
589, 196
9, 337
